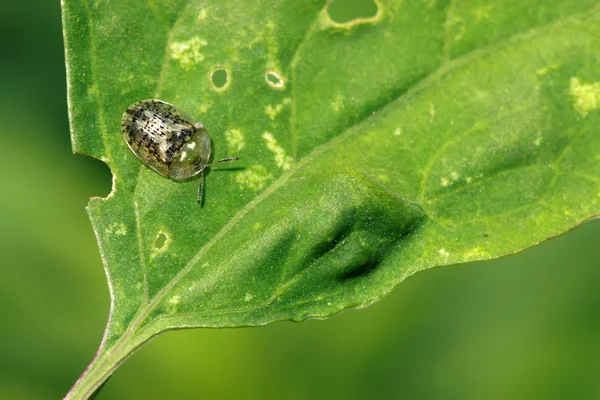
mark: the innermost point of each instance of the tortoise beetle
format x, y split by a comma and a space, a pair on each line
164, 140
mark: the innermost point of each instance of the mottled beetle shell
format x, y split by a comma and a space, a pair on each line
164, 140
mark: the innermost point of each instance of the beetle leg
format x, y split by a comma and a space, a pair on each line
201, 188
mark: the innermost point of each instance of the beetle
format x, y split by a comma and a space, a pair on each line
163, 139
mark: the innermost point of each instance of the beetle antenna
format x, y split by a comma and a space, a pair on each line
201, 188
223, 160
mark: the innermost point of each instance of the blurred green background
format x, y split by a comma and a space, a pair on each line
522, 327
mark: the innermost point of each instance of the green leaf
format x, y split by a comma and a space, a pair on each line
432, 133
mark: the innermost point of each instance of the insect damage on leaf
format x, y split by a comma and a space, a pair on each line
187, 53
220, 78
482, 147
585, 95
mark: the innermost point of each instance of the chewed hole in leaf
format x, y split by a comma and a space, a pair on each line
219, 78
274, 80
346, 11
161, 241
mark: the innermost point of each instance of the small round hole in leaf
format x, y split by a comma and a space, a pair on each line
219, 78
160, 241
274, 79
344, 11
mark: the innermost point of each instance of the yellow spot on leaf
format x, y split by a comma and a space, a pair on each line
204, 107
188, 53
93, 90
282, 160
475, 253
172, 304
121, 230
338, 103
586, 96
255, 178
383, 178
117, 228
273, 111
235, 139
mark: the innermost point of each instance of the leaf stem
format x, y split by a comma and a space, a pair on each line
104, 364
97, 372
